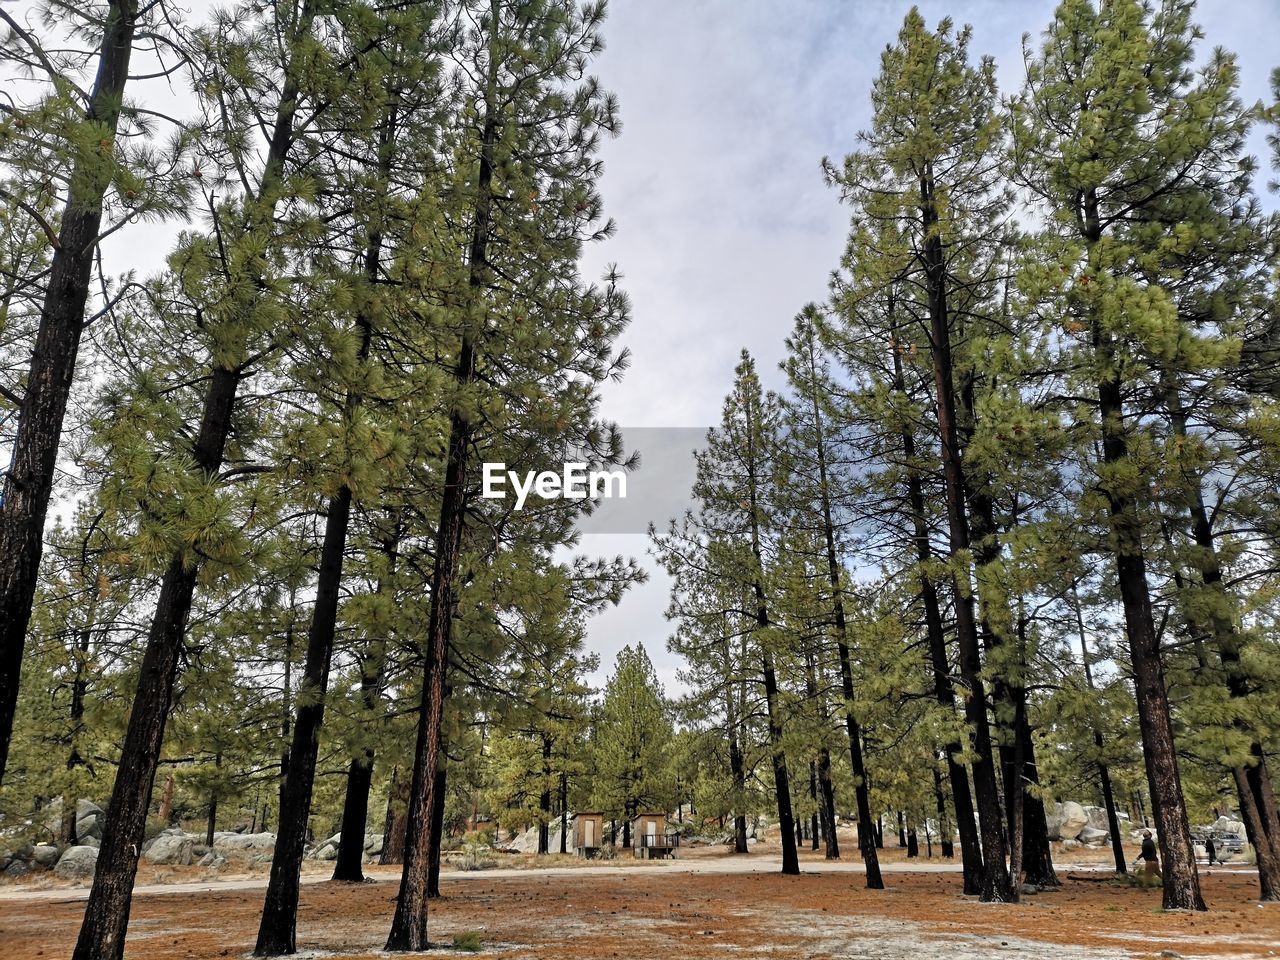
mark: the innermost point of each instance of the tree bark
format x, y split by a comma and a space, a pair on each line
28, 483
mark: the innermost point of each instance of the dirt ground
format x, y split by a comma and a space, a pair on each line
708, 904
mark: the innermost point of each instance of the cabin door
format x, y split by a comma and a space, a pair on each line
651, 830
589, 833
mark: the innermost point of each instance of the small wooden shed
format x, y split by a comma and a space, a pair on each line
588, 833
651, 840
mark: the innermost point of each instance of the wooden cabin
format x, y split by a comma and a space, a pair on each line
650, 838
588, 833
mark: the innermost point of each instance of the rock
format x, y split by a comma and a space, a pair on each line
326, 851
45, 854
1074, 819
1091, 836
1228, 825
16, 868
170, 849
260, 859
91, 842
212, 860
1071, 844
1097, 819
244, 841
77, 863
86, 807
373, 844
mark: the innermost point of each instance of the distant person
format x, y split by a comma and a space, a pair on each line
1149, 855
1211, 851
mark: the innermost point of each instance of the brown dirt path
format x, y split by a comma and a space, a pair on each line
658, 913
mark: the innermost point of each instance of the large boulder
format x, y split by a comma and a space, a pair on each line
16, 869
1073, 820
1097, 818
77, 863
45, 854
170, 849
1228, 825
1091, 836
373, 844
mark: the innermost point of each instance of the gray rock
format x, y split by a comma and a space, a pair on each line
45, 854
170, 849
1229, 825
373, 844
1097, 819
77, 863
1091, 836
16, 868
244, 841
91, 842
326, 851
1074, 819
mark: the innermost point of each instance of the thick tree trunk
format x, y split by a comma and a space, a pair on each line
349, 866
28, 483
106, 917
996, 885
544, 801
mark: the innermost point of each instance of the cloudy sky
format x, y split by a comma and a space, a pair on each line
725, 226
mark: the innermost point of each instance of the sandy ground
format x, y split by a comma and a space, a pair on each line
710, 904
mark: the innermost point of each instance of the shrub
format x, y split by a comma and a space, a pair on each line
468, 942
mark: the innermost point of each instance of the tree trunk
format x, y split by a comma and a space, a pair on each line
166, 801
106, 917
409, 924
781, 782
211, 822
944, 830
913, 843
28, 483
396, 820
813, 796
943, 690
349, 866
564, 813
996, 885
438, 798
277, 928
277, 931
827, 791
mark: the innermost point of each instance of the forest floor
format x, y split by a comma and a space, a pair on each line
707, 904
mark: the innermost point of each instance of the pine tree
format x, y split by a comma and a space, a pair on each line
1113, 121
69, 137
